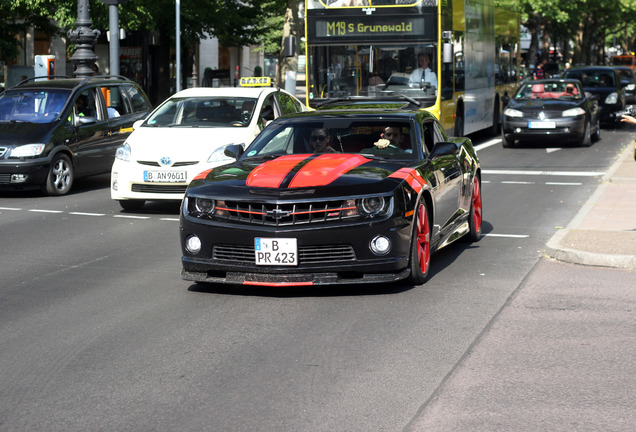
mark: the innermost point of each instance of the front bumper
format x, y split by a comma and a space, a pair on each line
360, 265
17, 174
128, 182
568, 129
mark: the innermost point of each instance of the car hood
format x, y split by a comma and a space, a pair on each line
543, 104
181, 143
18, 133
302, 175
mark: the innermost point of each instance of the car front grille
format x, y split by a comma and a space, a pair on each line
174, 165
306, 254
5, 178
286, 214
3, 150
157, 188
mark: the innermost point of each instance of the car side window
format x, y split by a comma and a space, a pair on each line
87, 104
116, 102
137, 100
428, 136
287, 103
267, 113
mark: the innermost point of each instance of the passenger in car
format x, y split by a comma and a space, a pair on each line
321, 141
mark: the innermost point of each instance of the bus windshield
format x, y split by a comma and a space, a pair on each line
355, 50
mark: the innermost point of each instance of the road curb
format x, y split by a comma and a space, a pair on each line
559, 250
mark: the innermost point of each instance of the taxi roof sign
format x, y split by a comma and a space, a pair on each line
255, 81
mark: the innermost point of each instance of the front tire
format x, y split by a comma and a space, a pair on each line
59, 179
505, 142
587, 135
420, 259
475, 218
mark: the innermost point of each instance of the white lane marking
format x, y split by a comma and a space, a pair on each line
10, 208
552, 150
87, 214
131, 217
488, 144
517, 182
563, 184
546, 173
45, 211
170, 219
507, 235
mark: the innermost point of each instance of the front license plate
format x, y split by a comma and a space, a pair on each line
542, 125
165, 176
276, 251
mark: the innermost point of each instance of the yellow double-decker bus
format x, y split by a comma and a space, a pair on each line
458, 59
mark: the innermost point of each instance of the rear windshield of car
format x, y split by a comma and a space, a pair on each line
32, 105
593, 78
373, 138
549, 90
204, 112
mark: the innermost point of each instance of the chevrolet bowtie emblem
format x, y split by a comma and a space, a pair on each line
278, 213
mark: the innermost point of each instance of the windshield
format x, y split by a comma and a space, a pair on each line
356, 70
373, 138
34, 106
204, 112
550, 90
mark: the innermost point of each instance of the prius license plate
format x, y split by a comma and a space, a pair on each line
276, 251
165, 176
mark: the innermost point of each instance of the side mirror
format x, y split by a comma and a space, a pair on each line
444, 149
86, 120
234, 151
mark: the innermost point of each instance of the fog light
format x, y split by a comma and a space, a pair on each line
193, 244
115, 182
380, 245
19, 178
517, 130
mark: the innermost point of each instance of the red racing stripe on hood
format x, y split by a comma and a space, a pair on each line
325, 169
272, 173
412, 177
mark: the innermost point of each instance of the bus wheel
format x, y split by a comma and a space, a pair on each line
459, 125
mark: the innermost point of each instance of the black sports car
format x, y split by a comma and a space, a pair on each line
332, 197
553, 110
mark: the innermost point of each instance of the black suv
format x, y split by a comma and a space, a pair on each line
53, 130
605, 83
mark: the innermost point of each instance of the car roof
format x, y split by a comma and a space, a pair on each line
250, 92
551, 80
363, 114
60, 82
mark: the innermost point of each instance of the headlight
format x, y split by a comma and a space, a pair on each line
512, 112
373, 206
218, 156
611, 99
28, 150
573, 112
630, 87
123, 152
204, 206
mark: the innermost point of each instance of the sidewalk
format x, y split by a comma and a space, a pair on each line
603, 233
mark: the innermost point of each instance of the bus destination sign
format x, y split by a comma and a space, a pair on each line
354, 28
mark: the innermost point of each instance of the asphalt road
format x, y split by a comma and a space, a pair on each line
98, 331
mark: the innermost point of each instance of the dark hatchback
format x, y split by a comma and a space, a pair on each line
628, 78
605, 83
553, 110
333, 197
55, 130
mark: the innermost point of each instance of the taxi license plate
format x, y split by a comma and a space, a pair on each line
275, 251
165, 176
542, 125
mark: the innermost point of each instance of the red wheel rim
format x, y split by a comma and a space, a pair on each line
477, 205
423, 239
